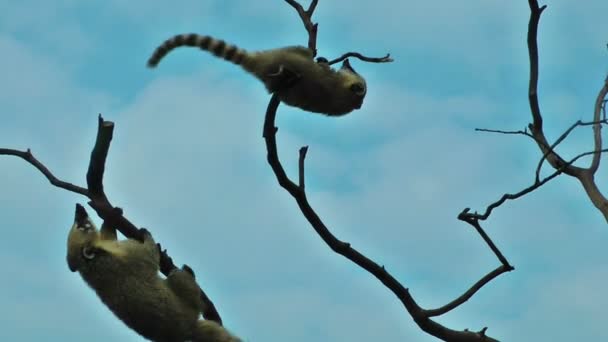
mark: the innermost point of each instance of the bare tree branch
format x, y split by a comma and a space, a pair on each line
306, 16
469, 293
475, 223
597, 127
29, 157
302, 180
99, 154
584, 175
536, 127
297, 191
113, 216
520, 132
419, 315
385, 59
562, 138
529, 189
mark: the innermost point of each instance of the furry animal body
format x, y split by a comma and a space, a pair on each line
290, 71
124, 274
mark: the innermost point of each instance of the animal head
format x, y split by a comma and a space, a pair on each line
81, 240
355, 84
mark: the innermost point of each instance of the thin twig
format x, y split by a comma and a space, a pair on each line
475, 223
306, 16
527, 190
560, 139
385, 59
29, 157
302, 180
520, 132
469, 293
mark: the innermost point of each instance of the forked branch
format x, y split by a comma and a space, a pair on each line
586, 176
311, 29
306, 16
113, 216
297, 191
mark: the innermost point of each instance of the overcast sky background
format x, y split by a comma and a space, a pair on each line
189, 163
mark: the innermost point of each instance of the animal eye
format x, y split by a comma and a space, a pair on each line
84, 227
88, 252
357, 88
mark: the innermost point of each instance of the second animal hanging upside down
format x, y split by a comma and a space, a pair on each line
316, 88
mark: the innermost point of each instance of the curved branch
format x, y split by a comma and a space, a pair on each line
536, 127
597, 128
29, 157
564, 136
385, 59
113, 216
99, 154
587, 181
345, 249
306, 16
469, 293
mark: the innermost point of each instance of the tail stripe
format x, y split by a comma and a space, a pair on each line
216, 46
201, 41
239, 56
229, 53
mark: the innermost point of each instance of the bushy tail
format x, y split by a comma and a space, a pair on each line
210, 331
217, 47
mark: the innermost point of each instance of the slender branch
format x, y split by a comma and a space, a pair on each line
345, 249
99, 155
597, 127
535, 13
469, 293
29, 157
385, 59
536, 127
584, 175
112, 216
520, 132
306, 16
301, 183
564, 136
527, 190
474, 221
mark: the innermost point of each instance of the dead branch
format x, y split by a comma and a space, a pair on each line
311, 29
600, 108
586, 176
306, 16
563, 137
111, 215
385, 59
537, 184
421, 317
469, 293
29, 157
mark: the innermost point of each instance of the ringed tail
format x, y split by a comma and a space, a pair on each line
218, 47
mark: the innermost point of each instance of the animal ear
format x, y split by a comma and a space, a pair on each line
346, 65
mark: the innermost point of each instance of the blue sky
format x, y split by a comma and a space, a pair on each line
188, 162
